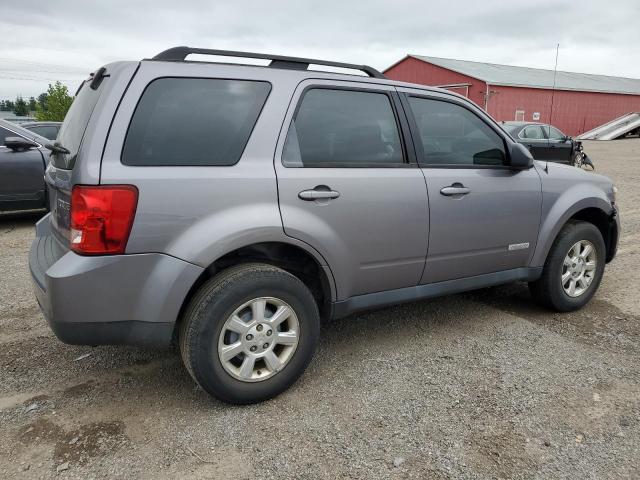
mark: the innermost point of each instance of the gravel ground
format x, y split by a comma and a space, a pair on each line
477, 385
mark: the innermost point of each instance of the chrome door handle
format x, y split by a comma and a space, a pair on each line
455, 189
318, 194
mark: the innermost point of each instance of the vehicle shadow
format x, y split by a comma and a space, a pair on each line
11, 221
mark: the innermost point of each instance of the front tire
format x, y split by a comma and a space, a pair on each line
249, 333
573, 269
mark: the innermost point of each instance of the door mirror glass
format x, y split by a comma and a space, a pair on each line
18, 143
521, 158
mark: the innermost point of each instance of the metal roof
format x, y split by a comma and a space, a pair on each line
508, 75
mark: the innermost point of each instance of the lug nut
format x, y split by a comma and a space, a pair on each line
259, 328
249, 337
269, 332
253, 348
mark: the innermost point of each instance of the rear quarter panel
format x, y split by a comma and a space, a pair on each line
87, 165
198, 214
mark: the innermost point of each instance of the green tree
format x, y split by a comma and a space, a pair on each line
57, 103
21, 108
42, 100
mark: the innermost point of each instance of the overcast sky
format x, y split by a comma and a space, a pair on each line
44, 41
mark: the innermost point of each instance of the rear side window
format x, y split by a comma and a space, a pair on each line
193, 122
343, 128
533, 132
4, 133
453, 135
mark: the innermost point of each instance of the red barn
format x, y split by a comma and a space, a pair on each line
580, 102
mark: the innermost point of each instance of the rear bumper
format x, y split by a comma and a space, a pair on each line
107, 300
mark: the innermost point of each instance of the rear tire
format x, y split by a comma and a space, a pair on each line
260, 296
577, 260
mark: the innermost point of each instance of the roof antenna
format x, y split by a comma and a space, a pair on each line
553, 93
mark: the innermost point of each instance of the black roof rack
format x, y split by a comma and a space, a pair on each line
178, 54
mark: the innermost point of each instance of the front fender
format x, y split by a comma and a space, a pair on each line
559, 207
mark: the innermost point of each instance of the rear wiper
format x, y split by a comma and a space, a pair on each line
57, 148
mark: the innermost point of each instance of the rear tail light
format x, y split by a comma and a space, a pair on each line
101, 218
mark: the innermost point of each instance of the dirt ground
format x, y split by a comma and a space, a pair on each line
478, 385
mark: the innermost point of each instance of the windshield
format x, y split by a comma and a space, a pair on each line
75, 124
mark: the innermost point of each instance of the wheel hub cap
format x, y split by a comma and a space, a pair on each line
258, 339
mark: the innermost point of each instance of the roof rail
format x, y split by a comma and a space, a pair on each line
179, 54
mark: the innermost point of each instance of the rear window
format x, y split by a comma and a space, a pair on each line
75, 123
193, 122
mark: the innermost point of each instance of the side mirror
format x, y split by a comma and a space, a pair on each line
18, 143
521, 158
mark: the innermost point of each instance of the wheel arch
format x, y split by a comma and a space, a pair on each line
302, 262
594, 210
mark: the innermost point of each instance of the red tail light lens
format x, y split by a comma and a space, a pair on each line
101, 218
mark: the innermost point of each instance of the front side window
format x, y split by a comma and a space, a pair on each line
343, 128
4, 133
554, 133
193, 122
532, 132
453, 135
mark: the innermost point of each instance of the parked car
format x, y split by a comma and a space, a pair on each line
545, 142
18, 120
48, 130
228, 208
22, 163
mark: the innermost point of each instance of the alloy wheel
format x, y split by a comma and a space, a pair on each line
258, 339
579, 268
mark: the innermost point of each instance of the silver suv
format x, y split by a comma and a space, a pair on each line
228, 208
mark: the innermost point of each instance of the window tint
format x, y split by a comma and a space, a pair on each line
48, 131
453, 135
343, 128
554, 133
533, 132
4, 133
75, 123
193, 121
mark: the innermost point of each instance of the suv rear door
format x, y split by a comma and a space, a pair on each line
349, 186
484, 216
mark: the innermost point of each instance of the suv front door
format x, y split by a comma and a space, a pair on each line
21, 176
536, 141
349, 186
484, 216
560, 145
